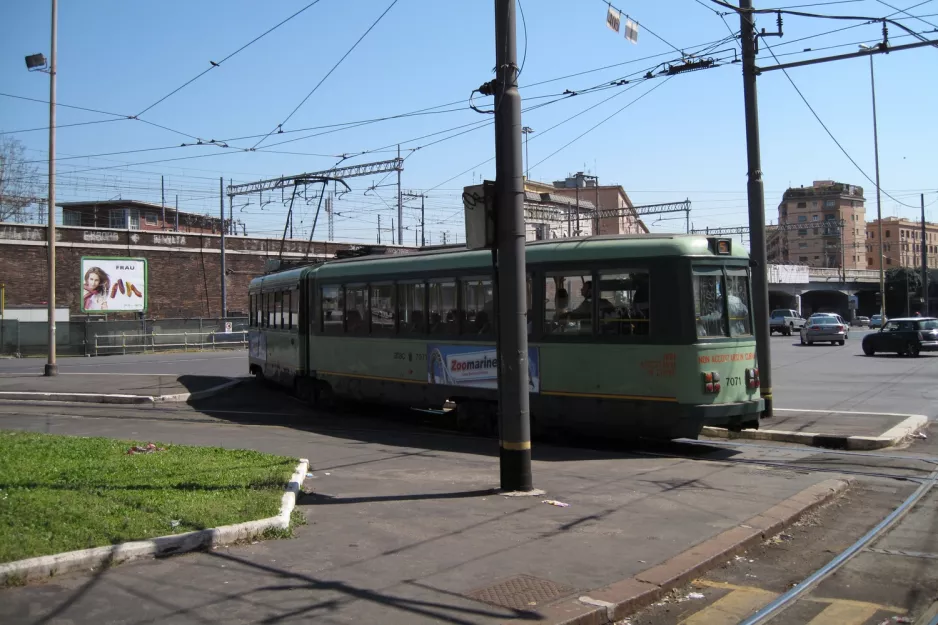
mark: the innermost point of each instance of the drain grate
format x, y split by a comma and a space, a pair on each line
521, 592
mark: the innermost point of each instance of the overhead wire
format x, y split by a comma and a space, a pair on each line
329, 73
214, 64
829, 133
906, 12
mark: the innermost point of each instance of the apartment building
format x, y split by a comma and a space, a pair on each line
810, 232
902, 243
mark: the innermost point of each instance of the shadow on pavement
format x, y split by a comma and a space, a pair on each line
254, 403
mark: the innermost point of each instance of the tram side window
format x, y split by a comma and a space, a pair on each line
478, 298
270, 311
332, 302
709, 312
356, 310
278, 309
251, 303
383, 309
411, 300
737, 294
443, 309
295, 308
568, 305
624, 303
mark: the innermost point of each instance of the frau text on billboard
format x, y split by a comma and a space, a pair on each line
112, 284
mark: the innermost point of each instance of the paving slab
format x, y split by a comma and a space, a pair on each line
106, 387
831, 428
404, 527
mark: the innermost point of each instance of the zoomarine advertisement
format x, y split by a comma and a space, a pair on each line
473, 365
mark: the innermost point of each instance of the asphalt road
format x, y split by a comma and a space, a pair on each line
879, 584
830, 377
228, 363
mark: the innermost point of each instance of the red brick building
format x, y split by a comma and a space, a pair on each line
136, 215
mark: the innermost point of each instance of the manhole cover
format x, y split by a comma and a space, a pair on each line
521, 592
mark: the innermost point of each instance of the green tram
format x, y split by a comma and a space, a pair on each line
648, 335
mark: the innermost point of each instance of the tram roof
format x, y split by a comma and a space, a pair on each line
560, 250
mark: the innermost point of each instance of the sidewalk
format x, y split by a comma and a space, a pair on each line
403, 527
827, 428
110, 388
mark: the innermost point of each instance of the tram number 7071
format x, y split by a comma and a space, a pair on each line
734, 381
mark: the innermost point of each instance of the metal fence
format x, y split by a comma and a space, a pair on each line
98, 337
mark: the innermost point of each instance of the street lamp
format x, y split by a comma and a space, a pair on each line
879, 212
526, 130
37, 62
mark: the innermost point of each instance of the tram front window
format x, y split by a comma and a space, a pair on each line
709, 309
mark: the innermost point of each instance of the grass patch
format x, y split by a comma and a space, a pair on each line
62, 493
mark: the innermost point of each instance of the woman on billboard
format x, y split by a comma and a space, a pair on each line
96, 286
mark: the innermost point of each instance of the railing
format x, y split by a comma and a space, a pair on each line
138, 342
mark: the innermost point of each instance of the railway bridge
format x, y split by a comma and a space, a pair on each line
848, 292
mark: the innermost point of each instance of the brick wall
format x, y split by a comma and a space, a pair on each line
184, 269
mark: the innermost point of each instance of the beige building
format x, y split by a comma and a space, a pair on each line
821, 242
902, 243
625, 221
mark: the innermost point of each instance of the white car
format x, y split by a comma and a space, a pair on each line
834, 316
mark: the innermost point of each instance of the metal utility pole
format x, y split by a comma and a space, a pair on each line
514, 401
177, 214
379, 229
879, 204
231, 225
400, 203
526, 130
412, 195
162, 204
756, 193
224, 275
52, 367
924, 261
579, 177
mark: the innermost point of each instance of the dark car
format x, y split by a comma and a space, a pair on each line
905, 336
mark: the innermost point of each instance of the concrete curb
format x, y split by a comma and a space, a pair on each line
891, 437
100, 398
42, 567
617, 601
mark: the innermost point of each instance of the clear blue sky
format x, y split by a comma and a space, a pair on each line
684, 140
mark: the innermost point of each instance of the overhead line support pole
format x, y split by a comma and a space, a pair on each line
224, 275
924, 260
756, 195
52, 368
514, 401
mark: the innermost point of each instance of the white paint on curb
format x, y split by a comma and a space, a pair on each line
85, 559
875, 414
893, 436
102, 398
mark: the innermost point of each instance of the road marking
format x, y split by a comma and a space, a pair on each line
844, 613
875, 414
732, 608
742, 601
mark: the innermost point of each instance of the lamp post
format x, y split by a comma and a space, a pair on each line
879, 211
37, 62
526, 130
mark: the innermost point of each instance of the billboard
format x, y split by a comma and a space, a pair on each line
113, 284
473, 365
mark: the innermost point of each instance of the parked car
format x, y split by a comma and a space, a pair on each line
785, 321
905, 336
876, 322
824, 328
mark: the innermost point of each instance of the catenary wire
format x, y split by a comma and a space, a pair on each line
213, 64
329, 73
829, 133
